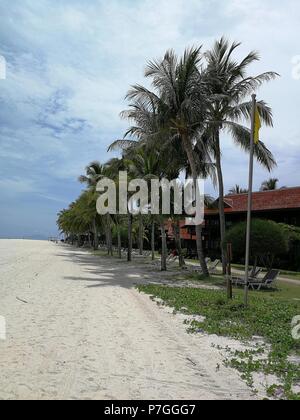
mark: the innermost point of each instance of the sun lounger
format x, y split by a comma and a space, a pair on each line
257, 284
212, 267
253, 275
267, 282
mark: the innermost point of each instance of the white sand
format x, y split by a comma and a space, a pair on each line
86, 333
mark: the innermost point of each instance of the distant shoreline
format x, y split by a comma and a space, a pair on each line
25, 238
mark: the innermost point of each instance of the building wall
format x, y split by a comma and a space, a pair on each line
211, 228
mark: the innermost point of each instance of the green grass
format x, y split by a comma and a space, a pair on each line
290, 275
282, 291
214, 280
269, 316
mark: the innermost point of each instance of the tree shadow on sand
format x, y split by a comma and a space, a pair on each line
107, 271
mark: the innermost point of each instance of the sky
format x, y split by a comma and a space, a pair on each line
70, 64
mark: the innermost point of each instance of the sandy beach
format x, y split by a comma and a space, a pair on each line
78, 329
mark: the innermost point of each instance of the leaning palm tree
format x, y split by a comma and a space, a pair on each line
236, 190
113, 167
95, 171
270, 185
149, 161
143, 165
175, 110
228, 86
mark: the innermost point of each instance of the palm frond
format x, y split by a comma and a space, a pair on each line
242, 137
244, 110
122, 145
248, 85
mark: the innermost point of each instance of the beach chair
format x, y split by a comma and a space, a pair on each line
173, 260
195, 269
240, 281
198, 269
267, 282
213, 267
254, 273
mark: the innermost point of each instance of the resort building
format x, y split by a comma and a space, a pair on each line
281, 206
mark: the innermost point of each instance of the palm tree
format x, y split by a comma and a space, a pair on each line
174, 111
236, 190
145, 161
113, 167
95, 171
270, 184
77, 220
227, 87
143, 164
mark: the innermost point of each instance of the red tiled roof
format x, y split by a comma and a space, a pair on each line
287, 198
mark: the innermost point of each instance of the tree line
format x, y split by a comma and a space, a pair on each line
177, 126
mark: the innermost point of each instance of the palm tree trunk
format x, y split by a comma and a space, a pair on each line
141, 234
109, 236
221, 200
163, 246
119, 242
190, 154
129, 253
96, 241
107, 240
176, 229
153, 240
111, 242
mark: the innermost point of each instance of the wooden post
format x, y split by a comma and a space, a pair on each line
228, 269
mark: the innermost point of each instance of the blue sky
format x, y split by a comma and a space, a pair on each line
70, 63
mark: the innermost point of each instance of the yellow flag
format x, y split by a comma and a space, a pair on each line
257, 126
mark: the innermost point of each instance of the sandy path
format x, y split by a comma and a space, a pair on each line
87, 333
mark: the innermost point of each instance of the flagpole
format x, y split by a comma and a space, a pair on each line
248, 236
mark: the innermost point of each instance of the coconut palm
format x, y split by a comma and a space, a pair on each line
78, 219
143, 165
228, 86
145, 161
113, 167
94, 172
174, 111
159, 157
270, 184
236, 190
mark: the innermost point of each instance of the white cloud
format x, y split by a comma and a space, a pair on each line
71, 63
13, 186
